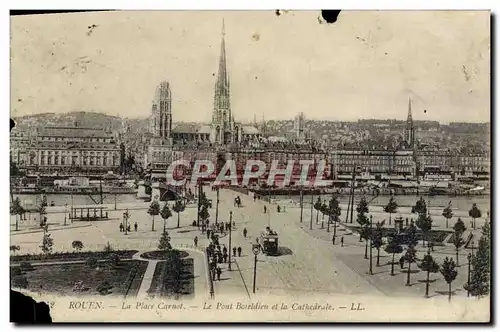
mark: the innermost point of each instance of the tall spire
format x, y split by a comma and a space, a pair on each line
222, 76
409, 109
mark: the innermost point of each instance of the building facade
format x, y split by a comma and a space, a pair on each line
70, 150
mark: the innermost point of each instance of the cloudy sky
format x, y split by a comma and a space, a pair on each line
366, 65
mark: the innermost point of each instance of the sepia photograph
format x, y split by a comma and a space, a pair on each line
250, 166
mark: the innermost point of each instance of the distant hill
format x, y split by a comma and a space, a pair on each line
82, 119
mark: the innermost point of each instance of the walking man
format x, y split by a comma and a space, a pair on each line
135, 226
239, 251
234, 251
265, 209
245, 232
219, 272
196, 241
342, 241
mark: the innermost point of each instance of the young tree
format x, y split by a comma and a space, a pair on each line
377, 240
317, 207
391, 207
154, 210
165, 214
424, 222
47, 243
474, 213
480, 275
449, 272
334, 213
393, 247
420, 207
362, 219
16, 210
77, 245
428, 265
448, 213
458, 242
14, 248
410, 257
178, 208
42, 211
164, 242
324, 210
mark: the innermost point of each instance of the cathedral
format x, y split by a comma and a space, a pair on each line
223, 130
409, 132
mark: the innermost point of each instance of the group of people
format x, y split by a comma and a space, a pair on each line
219, 255
122, 227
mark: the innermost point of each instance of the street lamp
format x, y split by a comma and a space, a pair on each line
256, 251
469, 258
230, 231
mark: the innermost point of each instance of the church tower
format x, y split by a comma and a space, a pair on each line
161, 112
409, 133
222, 126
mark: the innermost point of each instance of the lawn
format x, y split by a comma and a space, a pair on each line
125, 278
72, 256
165, 284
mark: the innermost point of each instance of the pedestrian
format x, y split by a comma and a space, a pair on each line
234, 251
208, 234
239, 251
121, 227
128, 228
342, 241
224, 249
219, 272
222, 228
265, 209
224, 256
279, 209
196, 241
135, 226
245, 232
402, 262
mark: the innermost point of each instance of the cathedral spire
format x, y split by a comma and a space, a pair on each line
222, 80
409, 118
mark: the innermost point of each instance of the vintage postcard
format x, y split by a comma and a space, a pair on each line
250, 166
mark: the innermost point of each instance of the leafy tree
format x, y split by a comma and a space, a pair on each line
391, 207
474, 213
365, 233
17, 210
424, 222
14, 248
317, 207
165, 214
164, 242
459, 226
448, 213
393, 247
154, 210
428, 265
420, 207
411, 235
410, 257
204, 215
480, 275
362, 219
108, 249
47, 243
77, 245
377, 240
458, 242
324, 210
449, 272
178, 208
334, 212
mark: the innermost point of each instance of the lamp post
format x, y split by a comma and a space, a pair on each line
230, 231
312, 206
217, 207
301, 204
65, 212
125, 219
469, 258
371, 245
256, 251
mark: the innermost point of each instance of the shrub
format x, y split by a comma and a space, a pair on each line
20, 282
25, 266
91, 262
104, 288
16, 271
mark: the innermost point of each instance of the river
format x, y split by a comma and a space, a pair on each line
28, 200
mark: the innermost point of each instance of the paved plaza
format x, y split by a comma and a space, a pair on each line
308, 264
